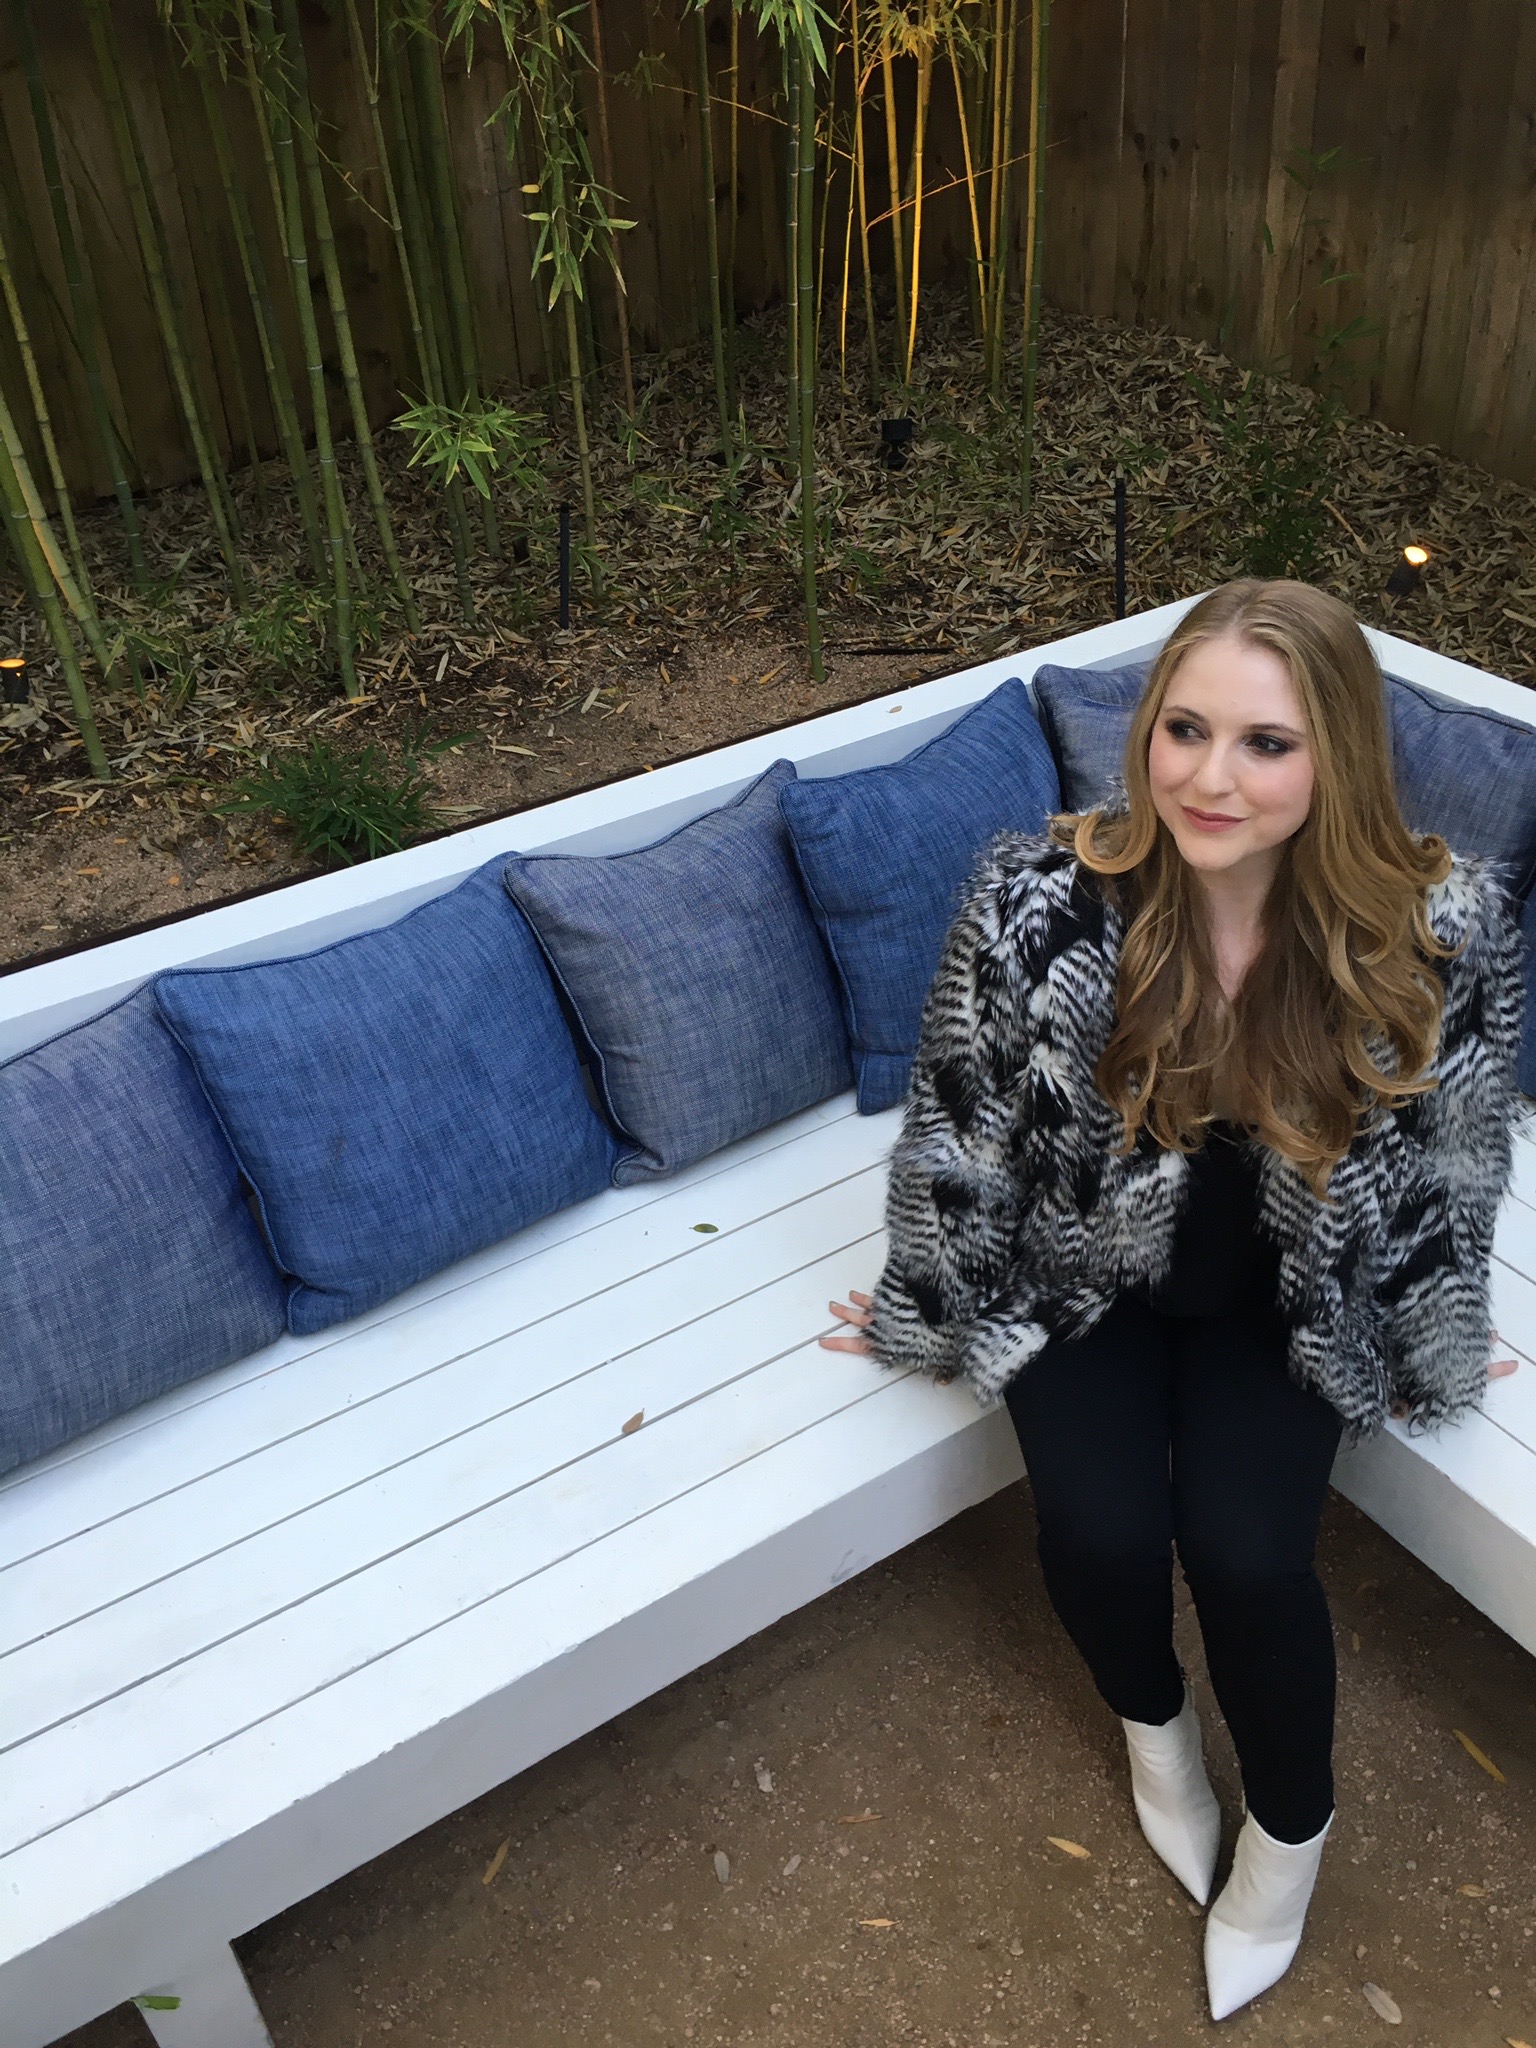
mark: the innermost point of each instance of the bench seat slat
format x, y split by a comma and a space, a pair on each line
202, 1427
400, 1478
288, 1439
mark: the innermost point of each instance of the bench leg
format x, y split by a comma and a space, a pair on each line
216, 2009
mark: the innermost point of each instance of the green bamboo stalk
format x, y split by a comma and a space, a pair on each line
996, 73
977, 265
253, 265
210, 280
711, 223
792, 258
860, 87
427, 357
162, 289
1039, 83
734, 184
24, 535
43, 422
605, 140
805, 136
341, 318
893, 168
1005, 175
828, 178
427, 74
85, 313
298, 260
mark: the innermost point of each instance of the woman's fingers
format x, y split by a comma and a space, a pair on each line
860, 1344
861, 1315
1501, 1368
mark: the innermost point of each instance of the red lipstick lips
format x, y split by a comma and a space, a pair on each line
1209, 821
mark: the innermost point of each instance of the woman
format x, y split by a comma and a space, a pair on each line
1209, 1122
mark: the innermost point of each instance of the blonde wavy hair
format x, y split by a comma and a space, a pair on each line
1339, 1016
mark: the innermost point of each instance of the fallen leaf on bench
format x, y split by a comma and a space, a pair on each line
1473, 1891
852, 1820
1383, 2003
633, 1423
154, 2001
1072, 1848
791, 1866
706, 1229
722, 1866
1511, 2042
764, 1777
1478, 1756
496, 1862
877, 1923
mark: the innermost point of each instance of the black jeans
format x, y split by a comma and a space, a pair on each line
1158, 1429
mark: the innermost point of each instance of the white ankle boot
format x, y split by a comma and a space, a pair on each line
1253, 1931
1174, 1802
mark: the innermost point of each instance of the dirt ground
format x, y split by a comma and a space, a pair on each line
89, 874
882, 1772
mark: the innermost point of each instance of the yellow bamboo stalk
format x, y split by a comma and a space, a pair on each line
919, 141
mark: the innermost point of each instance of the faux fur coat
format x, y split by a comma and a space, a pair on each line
1012, 1217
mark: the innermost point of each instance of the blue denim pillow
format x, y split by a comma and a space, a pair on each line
698, 976
398, 1099
884, 853
129, 1261
1085, 714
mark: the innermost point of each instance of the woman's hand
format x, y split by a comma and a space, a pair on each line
1498, 1369
860, 1315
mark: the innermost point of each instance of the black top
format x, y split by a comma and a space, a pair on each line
1220, 1259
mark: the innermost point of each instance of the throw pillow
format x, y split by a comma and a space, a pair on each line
398, 1099
129, 1261
698, 976
884, 854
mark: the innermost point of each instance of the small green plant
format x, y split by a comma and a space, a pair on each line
1275, 477
478, 439
340, 807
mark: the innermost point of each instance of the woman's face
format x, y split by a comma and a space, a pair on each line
1230, 762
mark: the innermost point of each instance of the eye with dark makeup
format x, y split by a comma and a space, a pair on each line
1267, 744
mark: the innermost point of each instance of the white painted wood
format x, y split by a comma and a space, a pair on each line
214, 2006
268, 1626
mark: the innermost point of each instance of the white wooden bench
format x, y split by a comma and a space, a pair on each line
268, 1626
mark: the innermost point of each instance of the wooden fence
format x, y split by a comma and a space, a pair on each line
1178, 130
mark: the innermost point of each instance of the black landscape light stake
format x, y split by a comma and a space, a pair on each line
895, 440
1119, 547
14, 688
1409, 573
565, 565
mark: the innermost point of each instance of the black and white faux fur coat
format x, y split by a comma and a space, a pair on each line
1012, 1216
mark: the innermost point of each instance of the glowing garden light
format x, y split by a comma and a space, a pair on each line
1409, 573
13, 680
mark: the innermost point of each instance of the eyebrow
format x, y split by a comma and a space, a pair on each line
1259, 725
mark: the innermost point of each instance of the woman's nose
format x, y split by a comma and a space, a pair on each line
1213, 774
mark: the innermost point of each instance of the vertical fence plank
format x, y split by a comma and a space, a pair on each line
1501, 351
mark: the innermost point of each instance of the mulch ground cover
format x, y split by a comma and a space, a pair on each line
925, 569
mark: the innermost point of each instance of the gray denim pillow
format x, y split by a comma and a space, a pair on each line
697, 977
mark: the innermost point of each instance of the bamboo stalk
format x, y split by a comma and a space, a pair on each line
605, 140
426, 72
826, 193
163, 294
43, 421
84, 309
996, 71
893, 167
1039, 85
427, 358
919, 142
861, 77
1005, 181
280, 392
734, 181
711, 223
56, 563
25, 539
805, 134
341, 318
297, 247
978, 269
792, 259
